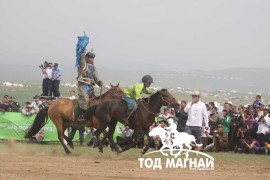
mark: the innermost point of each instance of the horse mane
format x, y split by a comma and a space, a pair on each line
102, 95
153, 96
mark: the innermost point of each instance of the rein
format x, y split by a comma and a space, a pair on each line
149, 101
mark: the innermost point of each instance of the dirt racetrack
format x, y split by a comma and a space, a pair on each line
28, 161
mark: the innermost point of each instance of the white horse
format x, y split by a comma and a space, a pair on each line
173, 139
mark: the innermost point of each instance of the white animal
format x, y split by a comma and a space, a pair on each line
173, 139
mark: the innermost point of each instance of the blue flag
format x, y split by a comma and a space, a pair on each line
81, 45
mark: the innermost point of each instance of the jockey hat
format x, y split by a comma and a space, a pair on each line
147, 78
90, 55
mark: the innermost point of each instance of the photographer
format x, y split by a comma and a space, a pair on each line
252, 145
220, 141
46, 70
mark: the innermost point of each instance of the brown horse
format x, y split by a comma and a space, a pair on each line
61, 113
109, 112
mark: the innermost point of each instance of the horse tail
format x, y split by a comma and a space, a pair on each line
90, 112
40, 121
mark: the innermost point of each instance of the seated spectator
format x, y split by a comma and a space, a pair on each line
28, 109
49, 101
267, 147
5, 106
13, 105
36, 103
220, 141
93, 137
166, 114
72, 95
253, 146
127, 139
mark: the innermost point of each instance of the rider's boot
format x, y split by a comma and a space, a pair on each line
79, 115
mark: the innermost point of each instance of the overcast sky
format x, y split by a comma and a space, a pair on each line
138, 34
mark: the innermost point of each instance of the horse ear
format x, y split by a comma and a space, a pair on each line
111, 85
117, 84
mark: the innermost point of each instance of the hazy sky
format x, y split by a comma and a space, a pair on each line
138, 34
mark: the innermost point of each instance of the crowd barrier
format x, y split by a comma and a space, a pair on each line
14, 124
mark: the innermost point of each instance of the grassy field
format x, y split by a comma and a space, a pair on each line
56, 149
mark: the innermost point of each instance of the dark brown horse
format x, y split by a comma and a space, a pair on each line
109, 112
61, 113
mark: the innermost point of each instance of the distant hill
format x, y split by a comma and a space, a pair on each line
239, 79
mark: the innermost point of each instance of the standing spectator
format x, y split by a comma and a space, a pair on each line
225, 122
46, 70
197, 113
257, 101
213, 120
181, 116
211, 105
263, 127
56, 77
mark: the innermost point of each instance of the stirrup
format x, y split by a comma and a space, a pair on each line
80, 118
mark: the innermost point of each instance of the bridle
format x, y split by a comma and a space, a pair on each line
147, 102
112, 92
115, 94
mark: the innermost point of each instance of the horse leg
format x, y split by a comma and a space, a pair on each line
69, 142
98, 142
61, 139
145, 149
112, 127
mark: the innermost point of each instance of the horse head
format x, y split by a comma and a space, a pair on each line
167, 98
116, 92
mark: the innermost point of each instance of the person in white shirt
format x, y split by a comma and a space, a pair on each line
197, 117
72, 95
263, 127
36, 103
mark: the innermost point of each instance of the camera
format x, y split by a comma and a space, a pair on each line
46, 65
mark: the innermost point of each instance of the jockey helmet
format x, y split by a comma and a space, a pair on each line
147, 78
90, 55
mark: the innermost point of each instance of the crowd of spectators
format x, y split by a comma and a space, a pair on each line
241, 129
